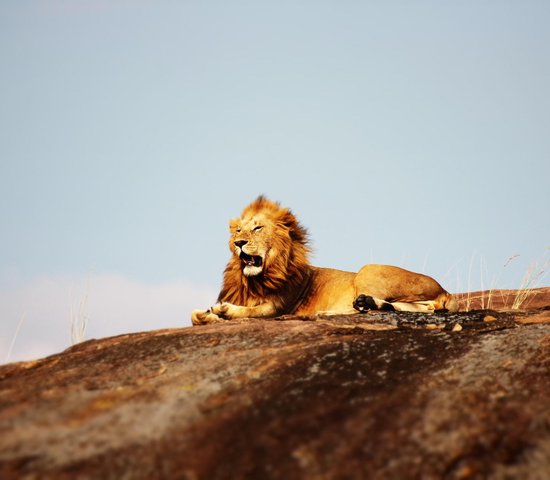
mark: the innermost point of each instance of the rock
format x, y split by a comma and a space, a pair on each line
380, 395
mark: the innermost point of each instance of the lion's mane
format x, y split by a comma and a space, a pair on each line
286, 273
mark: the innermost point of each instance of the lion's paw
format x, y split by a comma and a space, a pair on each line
220, 309
204, 317
224, 310
364, 303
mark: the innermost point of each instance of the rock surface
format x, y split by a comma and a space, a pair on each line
379, 396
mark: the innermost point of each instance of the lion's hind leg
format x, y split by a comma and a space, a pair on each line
444, 303
364, 303
394, 288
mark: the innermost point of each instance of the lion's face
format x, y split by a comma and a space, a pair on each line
252, 242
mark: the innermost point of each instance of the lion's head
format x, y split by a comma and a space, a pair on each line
269, 248
266, 238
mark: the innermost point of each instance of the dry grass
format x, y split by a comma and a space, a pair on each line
533, 278
14, 338
79, 318
486, 298
490, 294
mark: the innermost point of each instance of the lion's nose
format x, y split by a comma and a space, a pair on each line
241, 243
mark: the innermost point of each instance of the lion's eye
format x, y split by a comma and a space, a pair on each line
238, 230
257, 229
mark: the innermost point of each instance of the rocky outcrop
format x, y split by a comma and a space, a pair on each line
382, 395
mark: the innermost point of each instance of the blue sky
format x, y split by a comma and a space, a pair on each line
413, 133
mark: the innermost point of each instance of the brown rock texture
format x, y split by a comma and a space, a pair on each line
380, 396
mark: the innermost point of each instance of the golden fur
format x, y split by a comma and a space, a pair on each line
269, 275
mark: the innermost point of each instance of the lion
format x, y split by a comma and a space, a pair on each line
269, 275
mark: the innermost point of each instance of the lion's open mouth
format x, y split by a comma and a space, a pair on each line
251, 260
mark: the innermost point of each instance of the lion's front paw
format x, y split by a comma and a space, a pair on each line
223, 310
204, 317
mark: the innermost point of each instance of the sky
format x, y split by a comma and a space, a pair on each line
413, 133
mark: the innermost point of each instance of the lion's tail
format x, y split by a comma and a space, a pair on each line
446, 301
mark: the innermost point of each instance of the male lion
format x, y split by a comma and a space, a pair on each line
269, 275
